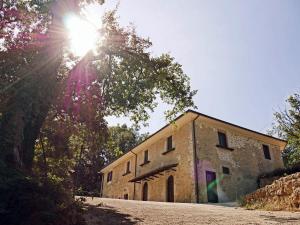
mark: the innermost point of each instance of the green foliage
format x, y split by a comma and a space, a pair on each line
287, 126
122, 139
132, 79
294, 168
73, 154
120, 78
31, 201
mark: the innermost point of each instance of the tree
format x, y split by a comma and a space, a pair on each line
122, 139
287, 126
123, 77
64, 146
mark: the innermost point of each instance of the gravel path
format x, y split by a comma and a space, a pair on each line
113, 212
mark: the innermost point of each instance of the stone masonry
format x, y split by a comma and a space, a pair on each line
282, 194
196, 152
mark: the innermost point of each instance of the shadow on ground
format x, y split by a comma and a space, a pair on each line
101, 214
280, 219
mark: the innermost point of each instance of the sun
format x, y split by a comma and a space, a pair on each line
82, 34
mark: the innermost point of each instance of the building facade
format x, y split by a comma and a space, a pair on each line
196, 159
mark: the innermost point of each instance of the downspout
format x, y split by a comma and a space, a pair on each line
195, 161
134, 173
101, 186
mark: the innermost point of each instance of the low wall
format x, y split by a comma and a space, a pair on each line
282, 194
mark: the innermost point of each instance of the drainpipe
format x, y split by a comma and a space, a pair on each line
101, 180
195, 161
134, 173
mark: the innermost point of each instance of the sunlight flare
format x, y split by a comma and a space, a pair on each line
82, 34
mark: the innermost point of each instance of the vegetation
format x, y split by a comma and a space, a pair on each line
287, 126
281, 172
120, 78
70, 152
53, 106
34, 201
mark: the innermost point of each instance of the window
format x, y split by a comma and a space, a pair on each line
109, 176
225, 170
126, 196
222, 140
169, 143
128, 167
266, 152
146, 159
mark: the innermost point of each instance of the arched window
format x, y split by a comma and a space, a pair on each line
145, 192
170, 189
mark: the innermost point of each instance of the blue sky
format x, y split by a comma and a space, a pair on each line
242, 56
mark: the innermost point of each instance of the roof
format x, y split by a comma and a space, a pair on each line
237, 126
196, 115
154, 173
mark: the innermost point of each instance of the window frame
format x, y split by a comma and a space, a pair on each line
222, 137
220, 145
266, 151
109, 176
169, 145
127, 168
225, 170
146, 156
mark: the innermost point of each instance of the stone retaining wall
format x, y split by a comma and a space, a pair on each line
282, 194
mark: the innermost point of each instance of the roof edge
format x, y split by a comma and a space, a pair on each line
199, 114
234, 125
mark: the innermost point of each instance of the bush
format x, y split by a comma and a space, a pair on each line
30, 201
281, 172
81, 192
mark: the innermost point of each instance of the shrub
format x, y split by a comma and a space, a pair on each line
31, 201
281, 172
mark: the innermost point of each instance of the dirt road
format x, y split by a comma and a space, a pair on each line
113, 212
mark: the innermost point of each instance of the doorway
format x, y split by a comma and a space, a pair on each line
211, 187
145, 192
170, 189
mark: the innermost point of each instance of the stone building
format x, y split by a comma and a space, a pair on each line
196, 159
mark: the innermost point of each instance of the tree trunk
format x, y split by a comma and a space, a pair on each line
26, 111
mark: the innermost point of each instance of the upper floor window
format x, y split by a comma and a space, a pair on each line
109, 176
128, 167
266, 152
169, 145
222, 140
146, 159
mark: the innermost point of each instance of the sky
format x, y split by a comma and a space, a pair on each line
243, 56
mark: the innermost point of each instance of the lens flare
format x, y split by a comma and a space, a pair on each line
82, 34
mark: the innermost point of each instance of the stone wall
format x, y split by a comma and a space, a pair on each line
282, 194
243, 157
184, 187
245, 160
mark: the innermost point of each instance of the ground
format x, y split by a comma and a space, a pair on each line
114, 211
